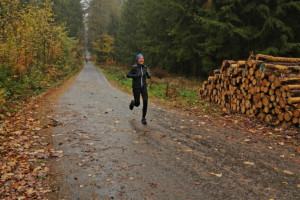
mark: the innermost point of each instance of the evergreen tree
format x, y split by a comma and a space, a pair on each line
70, 12
194, 36
151, 33
103, 19
127, 36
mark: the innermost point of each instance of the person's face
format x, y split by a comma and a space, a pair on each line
141, 60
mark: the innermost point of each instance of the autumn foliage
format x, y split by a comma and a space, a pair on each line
104, 48
35, 53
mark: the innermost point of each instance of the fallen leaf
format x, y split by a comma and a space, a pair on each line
284, 183
163, 135
196, 183
247, 140
90, 175
29, 191
288, 172
252, 131
37, 129
7, 176
217, 175
131, 178
198, 136
110, 181
188, 150
248, 163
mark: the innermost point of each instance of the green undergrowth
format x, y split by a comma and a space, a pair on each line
184, 91
15, 90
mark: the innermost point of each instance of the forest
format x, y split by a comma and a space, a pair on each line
41, 44
192, 37
44, 41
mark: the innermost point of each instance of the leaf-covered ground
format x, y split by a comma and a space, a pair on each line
25, 149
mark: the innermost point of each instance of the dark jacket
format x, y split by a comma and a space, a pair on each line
138, 73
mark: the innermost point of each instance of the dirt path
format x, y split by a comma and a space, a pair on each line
109, 154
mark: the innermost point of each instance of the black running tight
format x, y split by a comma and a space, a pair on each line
136, 93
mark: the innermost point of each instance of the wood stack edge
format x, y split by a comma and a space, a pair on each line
263, 86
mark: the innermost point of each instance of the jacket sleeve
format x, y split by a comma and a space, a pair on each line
148, 75
131, 73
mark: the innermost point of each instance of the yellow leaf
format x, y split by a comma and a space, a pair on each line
288, 172
218, 175
249, 163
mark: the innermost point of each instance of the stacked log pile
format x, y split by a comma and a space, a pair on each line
264, 86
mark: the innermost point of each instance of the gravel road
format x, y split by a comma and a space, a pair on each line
109, 154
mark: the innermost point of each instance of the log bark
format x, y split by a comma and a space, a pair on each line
282, 103
267, 89
294, 100
296, 113
288, 116
281, 116
261, 116
277, 59
277, 110
292, 87
284, 80
294, 93
268, 68
226, 64
266, 101
269, 118
295, 120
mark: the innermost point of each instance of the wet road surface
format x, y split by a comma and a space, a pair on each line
109, 154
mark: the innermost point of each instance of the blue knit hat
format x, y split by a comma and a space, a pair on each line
137, 57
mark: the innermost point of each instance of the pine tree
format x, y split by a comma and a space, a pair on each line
103, 19
127, 36
194, 36
70, 12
